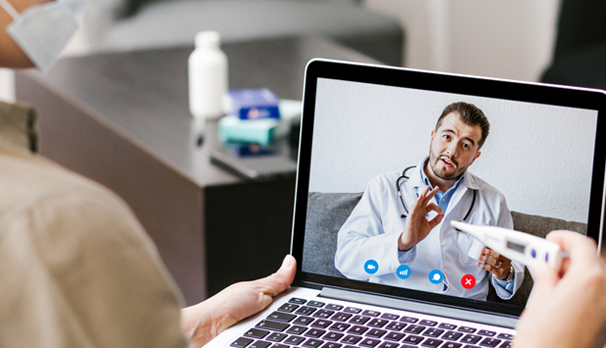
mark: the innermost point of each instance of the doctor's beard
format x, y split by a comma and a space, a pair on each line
440, 170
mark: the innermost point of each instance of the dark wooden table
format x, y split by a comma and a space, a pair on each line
122, 119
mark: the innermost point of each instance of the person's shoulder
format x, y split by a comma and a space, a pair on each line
384, 180
485, 188
60, 196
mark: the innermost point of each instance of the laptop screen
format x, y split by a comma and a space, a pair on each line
506, 154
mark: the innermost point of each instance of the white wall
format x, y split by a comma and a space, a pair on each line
508, 39
539, 157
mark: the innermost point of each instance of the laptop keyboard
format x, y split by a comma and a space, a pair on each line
314, 324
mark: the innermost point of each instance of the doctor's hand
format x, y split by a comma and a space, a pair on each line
417, 227
495, 263
567, 308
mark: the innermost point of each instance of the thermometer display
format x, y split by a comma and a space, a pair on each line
515, 246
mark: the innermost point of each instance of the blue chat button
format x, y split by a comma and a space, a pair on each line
436, 276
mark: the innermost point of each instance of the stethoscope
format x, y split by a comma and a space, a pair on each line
405, 177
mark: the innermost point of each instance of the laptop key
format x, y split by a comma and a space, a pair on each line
256, 333
428, 322
409, 319
272, 325
490, 342
296, 329
378, 322
505, 336
279, 316
357, 329
340, 316
473, 339
467, 329
296, 300
332, 345
369, 342
431, 332
259, 344
306, 310
303, 320
394, 336
447, 326
431, 342
276, 337
395, 326
416, 329
351, 339
451, 335
313, 343
452, 345
339, 327
315, 333
288, 308
376, 333
486, 333
279, 345
389, 316
352, 310
334, 307
413, 339
333, 336
323, 313
315, 304
389, 345
294, 340
358, 319
505, 344
321, 323
370, 313
242, 342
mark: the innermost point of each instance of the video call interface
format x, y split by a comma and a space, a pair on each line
366, 135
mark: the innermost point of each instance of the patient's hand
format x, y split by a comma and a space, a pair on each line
204, 321
566, 309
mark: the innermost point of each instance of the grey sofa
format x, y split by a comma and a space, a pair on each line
118, 25
327, 212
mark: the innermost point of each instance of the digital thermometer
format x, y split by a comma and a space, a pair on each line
517, 246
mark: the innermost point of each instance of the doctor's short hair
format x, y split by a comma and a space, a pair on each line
470, 115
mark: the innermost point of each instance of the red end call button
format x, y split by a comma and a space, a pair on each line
468, 281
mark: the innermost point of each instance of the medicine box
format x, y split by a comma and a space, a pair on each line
253, 104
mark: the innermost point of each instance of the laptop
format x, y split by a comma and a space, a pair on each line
544, 153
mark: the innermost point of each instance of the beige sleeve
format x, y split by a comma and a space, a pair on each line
83, 273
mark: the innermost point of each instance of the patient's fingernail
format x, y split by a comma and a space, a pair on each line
288, 261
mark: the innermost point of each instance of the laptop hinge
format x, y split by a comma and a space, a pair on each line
419, 307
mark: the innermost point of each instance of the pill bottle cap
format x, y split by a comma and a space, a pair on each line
208, 39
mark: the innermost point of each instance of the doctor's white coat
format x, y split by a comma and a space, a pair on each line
372, 230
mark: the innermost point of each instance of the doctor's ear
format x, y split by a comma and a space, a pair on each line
476, 156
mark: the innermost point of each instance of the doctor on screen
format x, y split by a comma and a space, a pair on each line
399, 233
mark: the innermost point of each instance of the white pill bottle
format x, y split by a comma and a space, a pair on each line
207, 76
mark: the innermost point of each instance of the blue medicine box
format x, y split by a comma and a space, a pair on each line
254, 104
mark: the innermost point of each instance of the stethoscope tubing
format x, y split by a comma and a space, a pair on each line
405, 177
